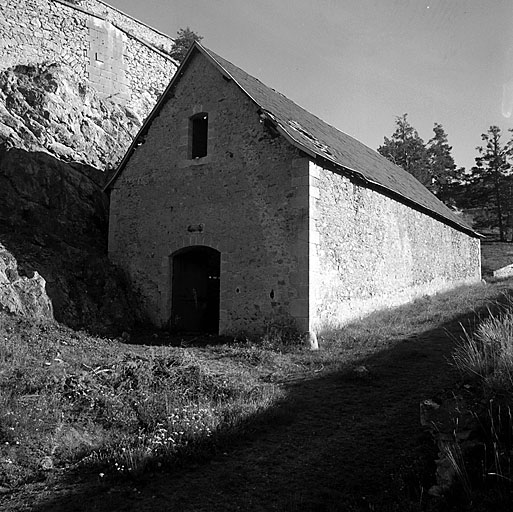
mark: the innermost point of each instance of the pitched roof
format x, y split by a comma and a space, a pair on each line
321, 141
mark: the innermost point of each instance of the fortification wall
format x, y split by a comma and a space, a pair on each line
117, 55
128, 24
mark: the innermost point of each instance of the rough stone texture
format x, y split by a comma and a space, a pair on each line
248, 192
506, 271
369, 251
128, 24
53, 221
300, 245
107, 68
36, 31
22, 295
116, 54
75, 87
457, 431
45, 108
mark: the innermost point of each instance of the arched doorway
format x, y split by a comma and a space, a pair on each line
195, 290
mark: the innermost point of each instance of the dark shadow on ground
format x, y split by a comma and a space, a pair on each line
339, 442
150, 336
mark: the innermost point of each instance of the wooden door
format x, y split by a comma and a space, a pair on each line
195, 290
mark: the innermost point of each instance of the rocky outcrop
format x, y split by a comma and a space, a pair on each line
22, 295
55, 136
40, 192
53, 220
45, 108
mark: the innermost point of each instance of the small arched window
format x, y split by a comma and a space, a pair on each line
198, 135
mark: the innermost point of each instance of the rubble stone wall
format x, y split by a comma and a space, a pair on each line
371, 251
128, 24
120, 57
247, 198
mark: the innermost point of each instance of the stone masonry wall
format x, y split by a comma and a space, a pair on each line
111, 50
371, 251
249, 194
128, 24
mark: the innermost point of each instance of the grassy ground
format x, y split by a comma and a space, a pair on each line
95, 424
495, 255
485, 359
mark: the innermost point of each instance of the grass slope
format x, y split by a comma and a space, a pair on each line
266, 424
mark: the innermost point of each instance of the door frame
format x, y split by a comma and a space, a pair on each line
209, 252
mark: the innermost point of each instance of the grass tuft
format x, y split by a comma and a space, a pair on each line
487, 353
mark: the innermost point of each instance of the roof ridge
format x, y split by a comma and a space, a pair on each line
385, 174
317, 138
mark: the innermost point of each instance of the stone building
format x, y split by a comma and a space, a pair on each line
235, 210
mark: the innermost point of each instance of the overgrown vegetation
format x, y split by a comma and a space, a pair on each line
485, 358
66, 397
71, 400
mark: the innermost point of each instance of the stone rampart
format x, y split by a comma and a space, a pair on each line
128, 24
119, 56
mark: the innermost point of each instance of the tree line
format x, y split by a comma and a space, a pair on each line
486, 189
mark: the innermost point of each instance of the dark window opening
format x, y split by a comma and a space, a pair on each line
199, 135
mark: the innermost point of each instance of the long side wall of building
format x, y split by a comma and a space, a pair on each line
248, 199
374, 252
112, 51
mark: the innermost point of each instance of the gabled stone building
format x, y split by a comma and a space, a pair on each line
235, 210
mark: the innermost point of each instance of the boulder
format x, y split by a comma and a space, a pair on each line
22, 295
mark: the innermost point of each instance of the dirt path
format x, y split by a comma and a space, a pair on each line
340, 442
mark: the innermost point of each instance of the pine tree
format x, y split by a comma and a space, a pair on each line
490, 181
184, 39
444, 174
406, 149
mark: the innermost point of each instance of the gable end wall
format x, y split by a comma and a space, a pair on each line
370, 251
249, 195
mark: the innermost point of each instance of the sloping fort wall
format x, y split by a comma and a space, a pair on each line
369, 251
120, 57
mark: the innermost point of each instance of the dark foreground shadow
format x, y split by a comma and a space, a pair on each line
344, 441
54, 220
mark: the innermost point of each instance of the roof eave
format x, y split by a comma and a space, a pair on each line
286, 135
395, 195
346, 170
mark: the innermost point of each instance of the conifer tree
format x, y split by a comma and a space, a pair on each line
406, 149
490, 182
184, 39
443, 171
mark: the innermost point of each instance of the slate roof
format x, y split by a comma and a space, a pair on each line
324, 143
